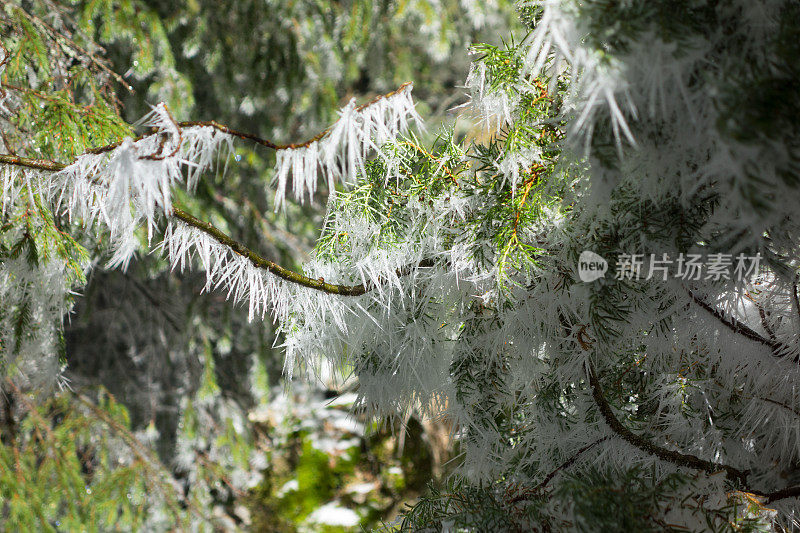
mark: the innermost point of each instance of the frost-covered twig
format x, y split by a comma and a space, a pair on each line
277, 146
125, 185
28, 162
778, 349
219, 236
537, 490
338, 153
782, 494
680, 459
266, 264
341, 151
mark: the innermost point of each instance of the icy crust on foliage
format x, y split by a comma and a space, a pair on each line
130, 186
655, 92
33, 295
340, 154
655, 157
495, 107
320, 325
40, 293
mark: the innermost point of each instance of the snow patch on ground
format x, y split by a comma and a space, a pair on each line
333, 515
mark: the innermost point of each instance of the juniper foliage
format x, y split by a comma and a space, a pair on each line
447, 277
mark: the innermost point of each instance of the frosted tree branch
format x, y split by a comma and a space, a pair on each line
778, 349
236, 246
276, 269
672, 456
125, 183
643, 444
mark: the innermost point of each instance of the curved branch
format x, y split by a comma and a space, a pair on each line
236, 246
266, 264
778, 349
643, 444
247, 136
270, 144
282, 272
782, 494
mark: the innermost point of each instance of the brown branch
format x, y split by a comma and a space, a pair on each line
8, 424
6, 142
779, 404
691, 461
158, 156
39, 164
275, 146
535, 491
569, 462
276, 269
778, 349
680, 459
236, 246
265, 264
762, 398
782, 494
762, 314
242, 135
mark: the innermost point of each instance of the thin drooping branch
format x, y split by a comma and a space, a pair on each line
674, 457
244, 135
270, 144
762, 314
779, 404
778, 349
236, 246
536, 491
260, 262
569, 462
766, 399
680, 459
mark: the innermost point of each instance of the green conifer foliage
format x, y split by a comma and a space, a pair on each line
598, 290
